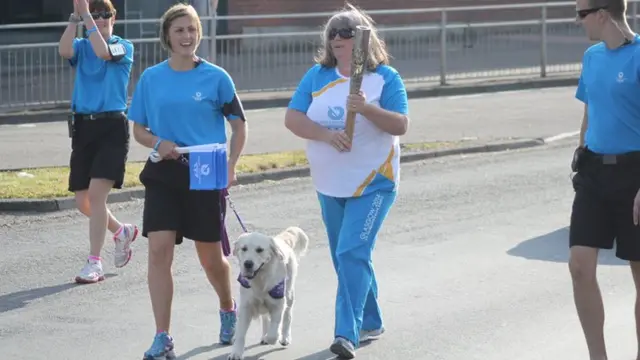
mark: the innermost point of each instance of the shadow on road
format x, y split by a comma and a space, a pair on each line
554, 247
199, 350
328, 355
258, 356
205, 349
20, 299
320, 355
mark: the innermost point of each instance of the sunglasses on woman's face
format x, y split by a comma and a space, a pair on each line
345, 33
101, 15
586, 12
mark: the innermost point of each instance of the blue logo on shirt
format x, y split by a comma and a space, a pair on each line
335, 112
336, 118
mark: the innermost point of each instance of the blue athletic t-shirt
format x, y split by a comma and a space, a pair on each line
610, 87
100, 85
183, 106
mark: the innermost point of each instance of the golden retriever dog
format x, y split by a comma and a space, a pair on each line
268, 270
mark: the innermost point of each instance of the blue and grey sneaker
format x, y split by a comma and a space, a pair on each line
368, 335
228, 321
343, 348
161, 349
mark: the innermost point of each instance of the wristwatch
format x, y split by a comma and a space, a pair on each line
73, 18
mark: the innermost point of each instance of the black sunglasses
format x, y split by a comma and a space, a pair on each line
345, 33
101, 14
585, 12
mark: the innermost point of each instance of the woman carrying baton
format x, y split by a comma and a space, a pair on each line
98, 127
356, 184
184, 101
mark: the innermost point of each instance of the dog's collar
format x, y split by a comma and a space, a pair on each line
277, 292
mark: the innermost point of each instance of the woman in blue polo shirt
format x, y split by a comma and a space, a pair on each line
183, 101
99, 128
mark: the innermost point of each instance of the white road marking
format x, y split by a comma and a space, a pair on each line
562, 136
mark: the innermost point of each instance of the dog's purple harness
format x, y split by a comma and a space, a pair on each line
277, 292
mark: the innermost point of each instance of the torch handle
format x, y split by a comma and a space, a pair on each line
358, 65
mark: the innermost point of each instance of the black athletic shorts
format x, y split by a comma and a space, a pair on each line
169, 205
99, 150
605, 188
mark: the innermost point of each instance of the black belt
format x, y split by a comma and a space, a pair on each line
610, 159
101, 115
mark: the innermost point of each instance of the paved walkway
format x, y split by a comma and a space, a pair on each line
471, 264
520, 114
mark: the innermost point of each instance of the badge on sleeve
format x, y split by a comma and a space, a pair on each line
203, 172
117, 51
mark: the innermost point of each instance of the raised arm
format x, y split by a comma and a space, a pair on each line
98, 43
65, 47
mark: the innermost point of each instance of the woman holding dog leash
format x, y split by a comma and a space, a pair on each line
356, 182
183, 101
98, 127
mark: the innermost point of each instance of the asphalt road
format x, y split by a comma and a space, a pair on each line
471, 264
519, 114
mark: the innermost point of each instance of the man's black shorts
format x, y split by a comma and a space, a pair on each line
169, 205
603, 205
99, 150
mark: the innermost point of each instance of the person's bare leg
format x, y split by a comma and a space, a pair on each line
218, 271
82, 203
98, 192
635, 270
583, 264
159, 277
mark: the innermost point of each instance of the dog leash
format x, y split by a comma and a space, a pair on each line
225, 193
226, 199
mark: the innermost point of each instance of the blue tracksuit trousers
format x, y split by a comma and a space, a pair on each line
352, 226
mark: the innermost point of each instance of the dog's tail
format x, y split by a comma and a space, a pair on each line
298, 240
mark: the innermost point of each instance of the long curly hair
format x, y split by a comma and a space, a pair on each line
349, 17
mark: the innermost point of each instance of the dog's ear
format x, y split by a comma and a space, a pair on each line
236, 245
275, 249
235, 248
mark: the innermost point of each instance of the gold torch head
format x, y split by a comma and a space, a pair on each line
360, 51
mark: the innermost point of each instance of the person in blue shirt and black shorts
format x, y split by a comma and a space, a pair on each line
180, 102
606, 162
98, 127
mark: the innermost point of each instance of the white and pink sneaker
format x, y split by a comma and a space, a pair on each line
123, 239
91, 272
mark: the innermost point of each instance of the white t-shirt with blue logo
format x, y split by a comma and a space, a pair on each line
374, 160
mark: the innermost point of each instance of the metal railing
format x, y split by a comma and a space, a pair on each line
441, 47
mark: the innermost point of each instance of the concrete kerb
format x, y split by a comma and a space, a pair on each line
67, 203
254, 101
